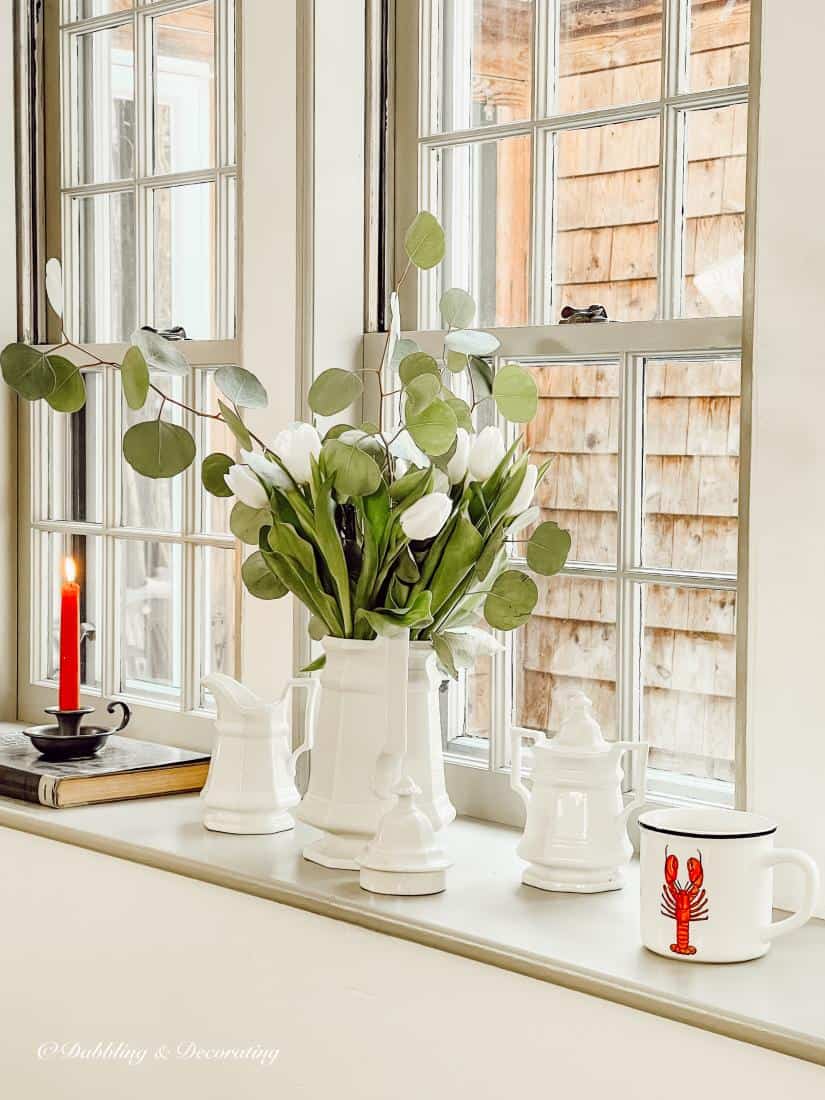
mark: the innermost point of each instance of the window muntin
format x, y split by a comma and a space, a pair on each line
148, 206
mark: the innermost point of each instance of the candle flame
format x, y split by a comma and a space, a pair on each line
69, 569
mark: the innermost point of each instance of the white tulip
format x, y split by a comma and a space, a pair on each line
268, 471
524, 497
295, 446
486, 452
246, 487
425, 518
353, 436
441, 483
457, 466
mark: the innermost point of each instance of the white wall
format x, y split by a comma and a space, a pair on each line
786, 665
96, 949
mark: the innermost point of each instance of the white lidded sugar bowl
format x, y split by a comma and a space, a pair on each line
251, 782
575, 838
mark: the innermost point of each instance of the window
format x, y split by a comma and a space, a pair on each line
581, 153
142, 213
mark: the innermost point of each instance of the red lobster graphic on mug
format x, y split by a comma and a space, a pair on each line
684, 903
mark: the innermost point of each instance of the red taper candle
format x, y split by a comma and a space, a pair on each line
68, 693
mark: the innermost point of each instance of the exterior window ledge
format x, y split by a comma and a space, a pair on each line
588, 943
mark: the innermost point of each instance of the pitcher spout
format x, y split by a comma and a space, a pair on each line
232, 698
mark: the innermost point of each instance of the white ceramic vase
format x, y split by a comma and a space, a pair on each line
357, 754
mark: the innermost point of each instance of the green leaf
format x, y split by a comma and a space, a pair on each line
316, 665
420, 393
444, 655
456, 362
494, 543
390, 621
461, 409
27, 371
471, 341
158, 449
316, 628
69, 393
510, 485
547, 548
407, 484
511, 600
329, 543
417, 363
334, 390
160, 354
337, 430
424, 241
246, 522
285, 540
457, 308
213, 471
241, 387
355, 473
134, 377
259, 579
516, 393
433, 429
236, 426
400, 351
481, 373
406, 569
460, 556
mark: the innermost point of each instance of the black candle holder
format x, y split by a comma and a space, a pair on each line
69, 740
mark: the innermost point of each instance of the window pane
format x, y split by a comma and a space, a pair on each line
689, 680
606, 219
691, 469
87, 9
184, 85
214, 436
217, 585
87, 552
568, 645
577, 425
104, 247
483, 201
154, 504
184, 260
103, 105
484, 71
715, 211
73, 485
151, 597
719, 35
609, 53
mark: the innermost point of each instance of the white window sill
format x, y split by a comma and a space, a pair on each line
588, 943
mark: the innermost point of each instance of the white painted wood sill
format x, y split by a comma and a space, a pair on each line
587, 943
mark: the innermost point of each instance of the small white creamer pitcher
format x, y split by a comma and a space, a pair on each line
575, 838
251, 782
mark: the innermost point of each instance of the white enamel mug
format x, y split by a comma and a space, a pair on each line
707, 884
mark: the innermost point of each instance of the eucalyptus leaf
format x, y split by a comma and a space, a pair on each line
424, 241
471, 342
516, 393
259, 579
456, 362
481, 373
334, 390
246, 522
54, 285
69, 393
241, 387
457, 308
355, 473
547, 548
511, 600
338, 430
462, 412
158, 449
236, 426
214, 469
434, 428
134, 377
418, 362
401, 350
160, 354
317, 628
27, 371
420, 393
444, 655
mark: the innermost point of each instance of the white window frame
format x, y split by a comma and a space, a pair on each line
184, 721
479, 782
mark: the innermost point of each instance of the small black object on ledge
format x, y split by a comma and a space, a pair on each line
592, 315
68, 740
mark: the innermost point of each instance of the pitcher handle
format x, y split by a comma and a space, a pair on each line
516, 781
312, 684
811, 891
639, 800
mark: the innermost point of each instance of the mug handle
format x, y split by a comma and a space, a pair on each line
805, 912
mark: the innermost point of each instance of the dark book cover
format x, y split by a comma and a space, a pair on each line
24, 774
